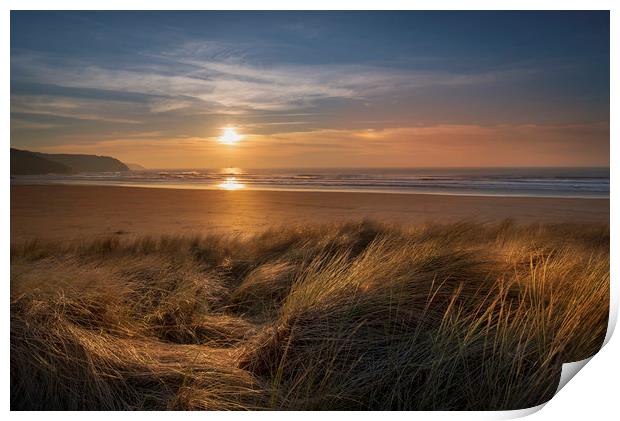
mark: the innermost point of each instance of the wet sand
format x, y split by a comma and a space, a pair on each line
55, 212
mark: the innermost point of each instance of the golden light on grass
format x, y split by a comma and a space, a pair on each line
230, 136
231, 183
353, 316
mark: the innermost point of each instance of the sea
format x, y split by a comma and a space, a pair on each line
519, 182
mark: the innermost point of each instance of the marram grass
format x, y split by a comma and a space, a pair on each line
353, 316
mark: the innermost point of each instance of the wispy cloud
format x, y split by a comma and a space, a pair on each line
21, 124
222, 82
73, 108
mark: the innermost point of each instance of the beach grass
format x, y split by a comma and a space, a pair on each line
362, 315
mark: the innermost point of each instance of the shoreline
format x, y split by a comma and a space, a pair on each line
189, 186
63, 212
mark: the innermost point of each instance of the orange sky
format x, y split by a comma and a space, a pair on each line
440, 145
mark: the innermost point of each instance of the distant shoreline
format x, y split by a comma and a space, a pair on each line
484, 182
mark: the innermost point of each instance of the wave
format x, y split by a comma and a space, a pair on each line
565, 182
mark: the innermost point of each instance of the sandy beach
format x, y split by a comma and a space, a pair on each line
56, 212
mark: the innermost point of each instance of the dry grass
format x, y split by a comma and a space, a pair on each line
354, 316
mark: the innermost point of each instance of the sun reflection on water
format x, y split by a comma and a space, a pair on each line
231, 171
231, 183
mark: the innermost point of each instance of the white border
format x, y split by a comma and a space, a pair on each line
592, 394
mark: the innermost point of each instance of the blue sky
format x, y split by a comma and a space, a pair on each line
314, 88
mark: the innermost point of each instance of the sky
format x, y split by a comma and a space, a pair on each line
314, 89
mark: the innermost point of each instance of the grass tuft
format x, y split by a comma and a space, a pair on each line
351, 316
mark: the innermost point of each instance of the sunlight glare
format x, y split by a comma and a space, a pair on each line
231, 183
230, 136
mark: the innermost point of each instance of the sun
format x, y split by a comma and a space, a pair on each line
230, 136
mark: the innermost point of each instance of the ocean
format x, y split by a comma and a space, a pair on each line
523, 182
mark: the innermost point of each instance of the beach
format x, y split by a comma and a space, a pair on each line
312, 315
58, 212
306, 210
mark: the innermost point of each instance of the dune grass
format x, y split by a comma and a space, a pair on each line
352, 316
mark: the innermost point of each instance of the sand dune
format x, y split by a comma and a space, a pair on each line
351, 316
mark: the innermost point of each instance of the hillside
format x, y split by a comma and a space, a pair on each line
135, 167
27, 162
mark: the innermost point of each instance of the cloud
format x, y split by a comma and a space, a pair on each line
166, 105
222, 82
22, 124
73, 108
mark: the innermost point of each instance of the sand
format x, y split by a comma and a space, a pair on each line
56, 212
